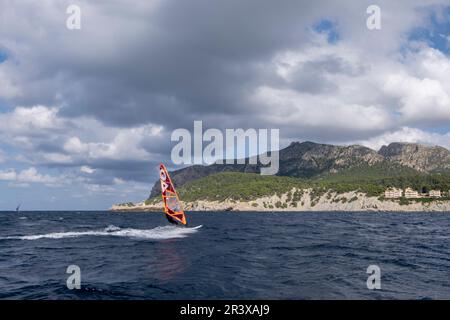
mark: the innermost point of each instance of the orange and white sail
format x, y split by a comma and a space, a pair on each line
172, 205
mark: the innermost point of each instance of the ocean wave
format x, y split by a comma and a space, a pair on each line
158, 233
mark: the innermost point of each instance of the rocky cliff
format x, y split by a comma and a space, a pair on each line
419, 157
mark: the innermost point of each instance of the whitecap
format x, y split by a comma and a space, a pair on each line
158, 233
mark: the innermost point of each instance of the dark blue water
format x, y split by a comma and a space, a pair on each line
232, 256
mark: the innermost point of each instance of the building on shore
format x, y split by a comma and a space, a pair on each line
435, 193
393, 193
411, 193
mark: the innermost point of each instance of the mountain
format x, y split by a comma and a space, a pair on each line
419, 157
309, 160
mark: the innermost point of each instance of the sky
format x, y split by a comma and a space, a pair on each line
86, 115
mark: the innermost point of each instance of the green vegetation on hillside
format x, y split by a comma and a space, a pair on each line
126, 204
365, 172
249, 186
373, 180
237, 186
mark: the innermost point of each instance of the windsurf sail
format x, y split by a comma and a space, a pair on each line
172, 206
18, 208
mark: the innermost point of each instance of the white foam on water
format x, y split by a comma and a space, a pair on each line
158, 233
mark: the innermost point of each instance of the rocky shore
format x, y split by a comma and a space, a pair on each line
351, 201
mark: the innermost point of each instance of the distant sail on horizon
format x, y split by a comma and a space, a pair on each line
18, 208
172, 205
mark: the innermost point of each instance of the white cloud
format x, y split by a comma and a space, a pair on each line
86, 169
406, 134
421, 87
95, 189
53, 158
126, 144
8, 175
28, 128
359, 84
74, 145
419, 99
292, 108
118, 181
54, 139
337, 88
33, 121
30, 175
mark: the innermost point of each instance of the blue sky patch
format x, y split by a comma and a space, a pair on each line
328, 27
437, 33
3, 56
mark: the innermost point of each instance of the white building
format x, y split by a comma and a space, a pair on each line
435, 193
393, 193
410, 193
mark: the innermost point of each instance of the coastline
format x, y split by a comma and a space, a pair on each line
345, 202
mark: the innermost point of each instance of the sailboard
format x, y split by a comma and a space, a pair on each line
172, 205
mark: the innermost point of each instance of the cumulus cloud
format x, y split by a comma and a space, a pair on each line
30, 175
87, 170
8, 175
33, 120
31, 128
406, 134
172, 62
125, 145
100, 103
50, 139
421, 88
328, 91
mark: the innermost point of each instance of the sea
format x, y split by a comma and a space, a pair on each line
225, 255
